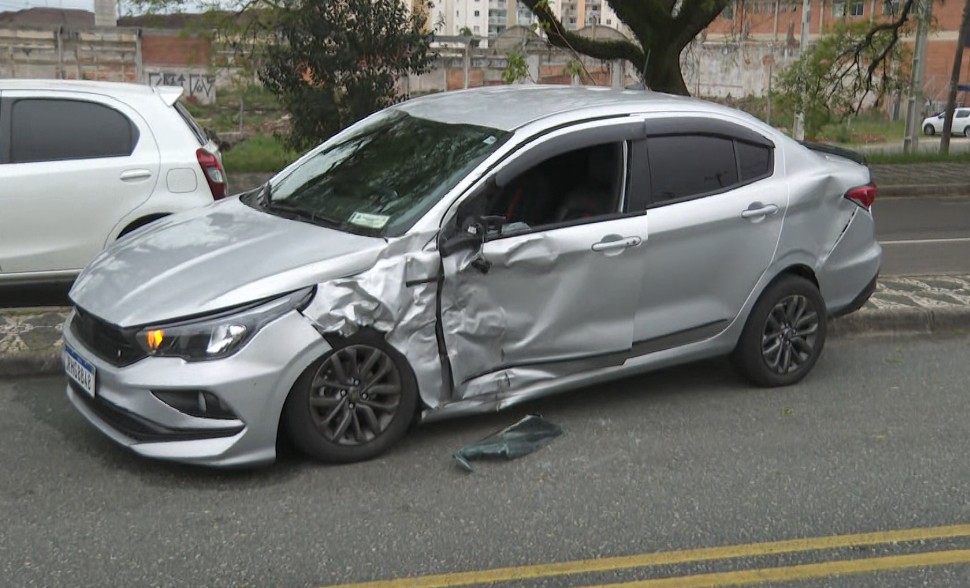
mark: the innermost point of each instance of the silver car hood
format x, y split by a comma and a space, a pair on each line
213, 258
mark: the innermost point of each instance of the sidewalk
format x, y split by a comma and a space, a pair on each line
30, 339
922, 179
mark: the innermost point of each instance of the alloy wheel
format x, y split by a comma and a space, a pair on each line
355, 394
788, 339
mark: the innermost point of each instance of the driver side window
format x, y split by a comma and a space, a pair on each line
569, 188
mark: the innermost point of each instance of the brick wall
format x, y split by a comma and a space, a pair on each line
167, 48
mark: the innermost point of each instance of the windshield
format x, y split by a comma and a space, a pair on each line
385, 175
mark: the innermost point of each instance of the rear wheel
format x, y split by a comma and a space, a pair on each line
966, 131
784, 335
354, 403
929, 129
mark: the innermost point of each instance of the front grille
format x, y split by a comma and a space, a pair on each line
110, 343
141, 429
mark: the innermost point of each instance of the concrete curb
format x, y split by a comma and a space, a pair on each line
866, 322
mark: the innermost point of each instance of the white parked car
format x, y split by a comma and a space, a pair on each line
83, 163
961, 123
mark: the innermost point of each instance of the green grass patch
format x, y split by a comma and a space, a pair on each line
260, 153
243, 107
862, 130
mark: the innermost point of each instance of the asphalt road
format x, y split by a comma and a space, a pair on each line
876, 439
924, 235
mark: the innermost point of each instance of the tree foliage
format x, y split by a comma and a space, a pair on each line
336, 61
843, 72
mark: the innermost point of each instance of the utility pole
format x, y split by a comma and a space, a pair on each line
951, 99
911, 140
803, 47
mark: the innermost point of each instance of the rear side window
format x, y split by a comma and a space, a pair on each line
45, 129
754, 160
688, 165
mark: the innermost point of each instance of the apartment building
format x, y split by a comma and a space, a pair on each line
491, 18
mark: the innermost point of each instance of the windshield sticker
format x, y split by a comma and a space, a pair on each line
489, 140
371, 221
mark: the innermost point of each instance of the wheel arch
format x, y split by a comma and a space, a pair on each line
334, 342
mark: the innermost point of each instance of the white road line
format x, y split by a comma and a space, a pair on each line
926, 241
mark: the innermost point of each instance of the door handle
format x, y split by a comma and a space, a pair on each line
621, 243
133, 175
757, 209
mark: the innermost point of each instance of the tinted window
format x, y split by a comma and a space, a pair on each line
53, 130
963, 113
688, 165
755, 160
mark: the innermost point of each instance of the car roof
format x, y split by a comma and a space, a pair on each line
110, 88
511, 107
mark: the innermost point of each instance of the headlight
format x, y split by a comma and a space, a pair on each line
219, 335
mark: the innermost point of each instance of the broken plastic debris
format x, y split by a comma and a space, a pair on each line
529, 434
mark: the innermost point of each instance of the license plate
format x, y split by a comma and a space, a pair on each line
79, 369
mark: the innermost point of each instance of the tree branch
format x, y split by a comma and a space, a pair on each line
560, 37
694, 17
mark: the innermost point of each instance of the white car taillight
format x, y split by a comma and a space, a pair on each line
214, 174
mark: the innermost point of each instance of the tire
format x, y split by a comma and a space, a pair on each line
784, 334
929, 130
966, 131
334, 412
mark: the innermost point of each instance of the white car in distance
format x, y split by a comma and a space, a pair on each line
84, 163
961, 123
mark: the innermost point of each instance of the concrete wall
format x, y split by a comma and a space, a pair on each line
719, 70
144, 56
97, 54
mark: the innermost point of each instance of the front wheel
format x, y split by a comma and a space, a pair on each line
784, 335
929, 130
353, 403
966, 131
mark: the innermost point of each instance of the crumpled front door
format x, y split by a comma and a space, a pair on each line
561, 295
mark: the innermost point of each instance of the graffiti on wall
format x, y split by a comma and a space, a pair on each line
199, 86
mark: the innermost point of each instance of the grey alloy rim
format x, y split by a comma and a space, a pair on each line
788, 340
355, 395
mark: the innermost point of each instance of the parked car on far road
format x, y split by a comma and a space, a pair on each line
83, 163
961, 123
464, 252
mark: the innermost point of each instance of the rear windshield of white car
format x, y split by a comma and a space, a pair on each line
199, 133
383, 176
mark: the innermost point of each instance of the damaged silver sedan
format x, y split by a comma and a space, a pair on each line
461, 253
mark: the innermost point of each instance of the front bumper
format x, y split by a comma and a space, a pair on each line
253, 383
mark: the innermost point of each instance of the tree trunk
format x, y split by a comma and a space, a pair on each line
662, 73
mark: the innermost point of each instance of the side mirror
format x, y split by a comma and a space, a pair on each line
459, 241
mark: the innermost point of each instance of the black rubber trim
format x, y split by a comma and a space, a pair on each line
413, 283
142, 429
705, 126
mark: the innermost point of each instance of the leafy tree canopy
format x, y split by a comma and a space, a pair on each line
846, 70
336, 61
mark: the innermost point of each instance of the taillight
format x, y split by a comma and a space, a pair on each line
214, 175
864, 196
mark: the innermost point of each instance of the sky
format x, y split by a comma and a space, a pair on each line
21, 4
